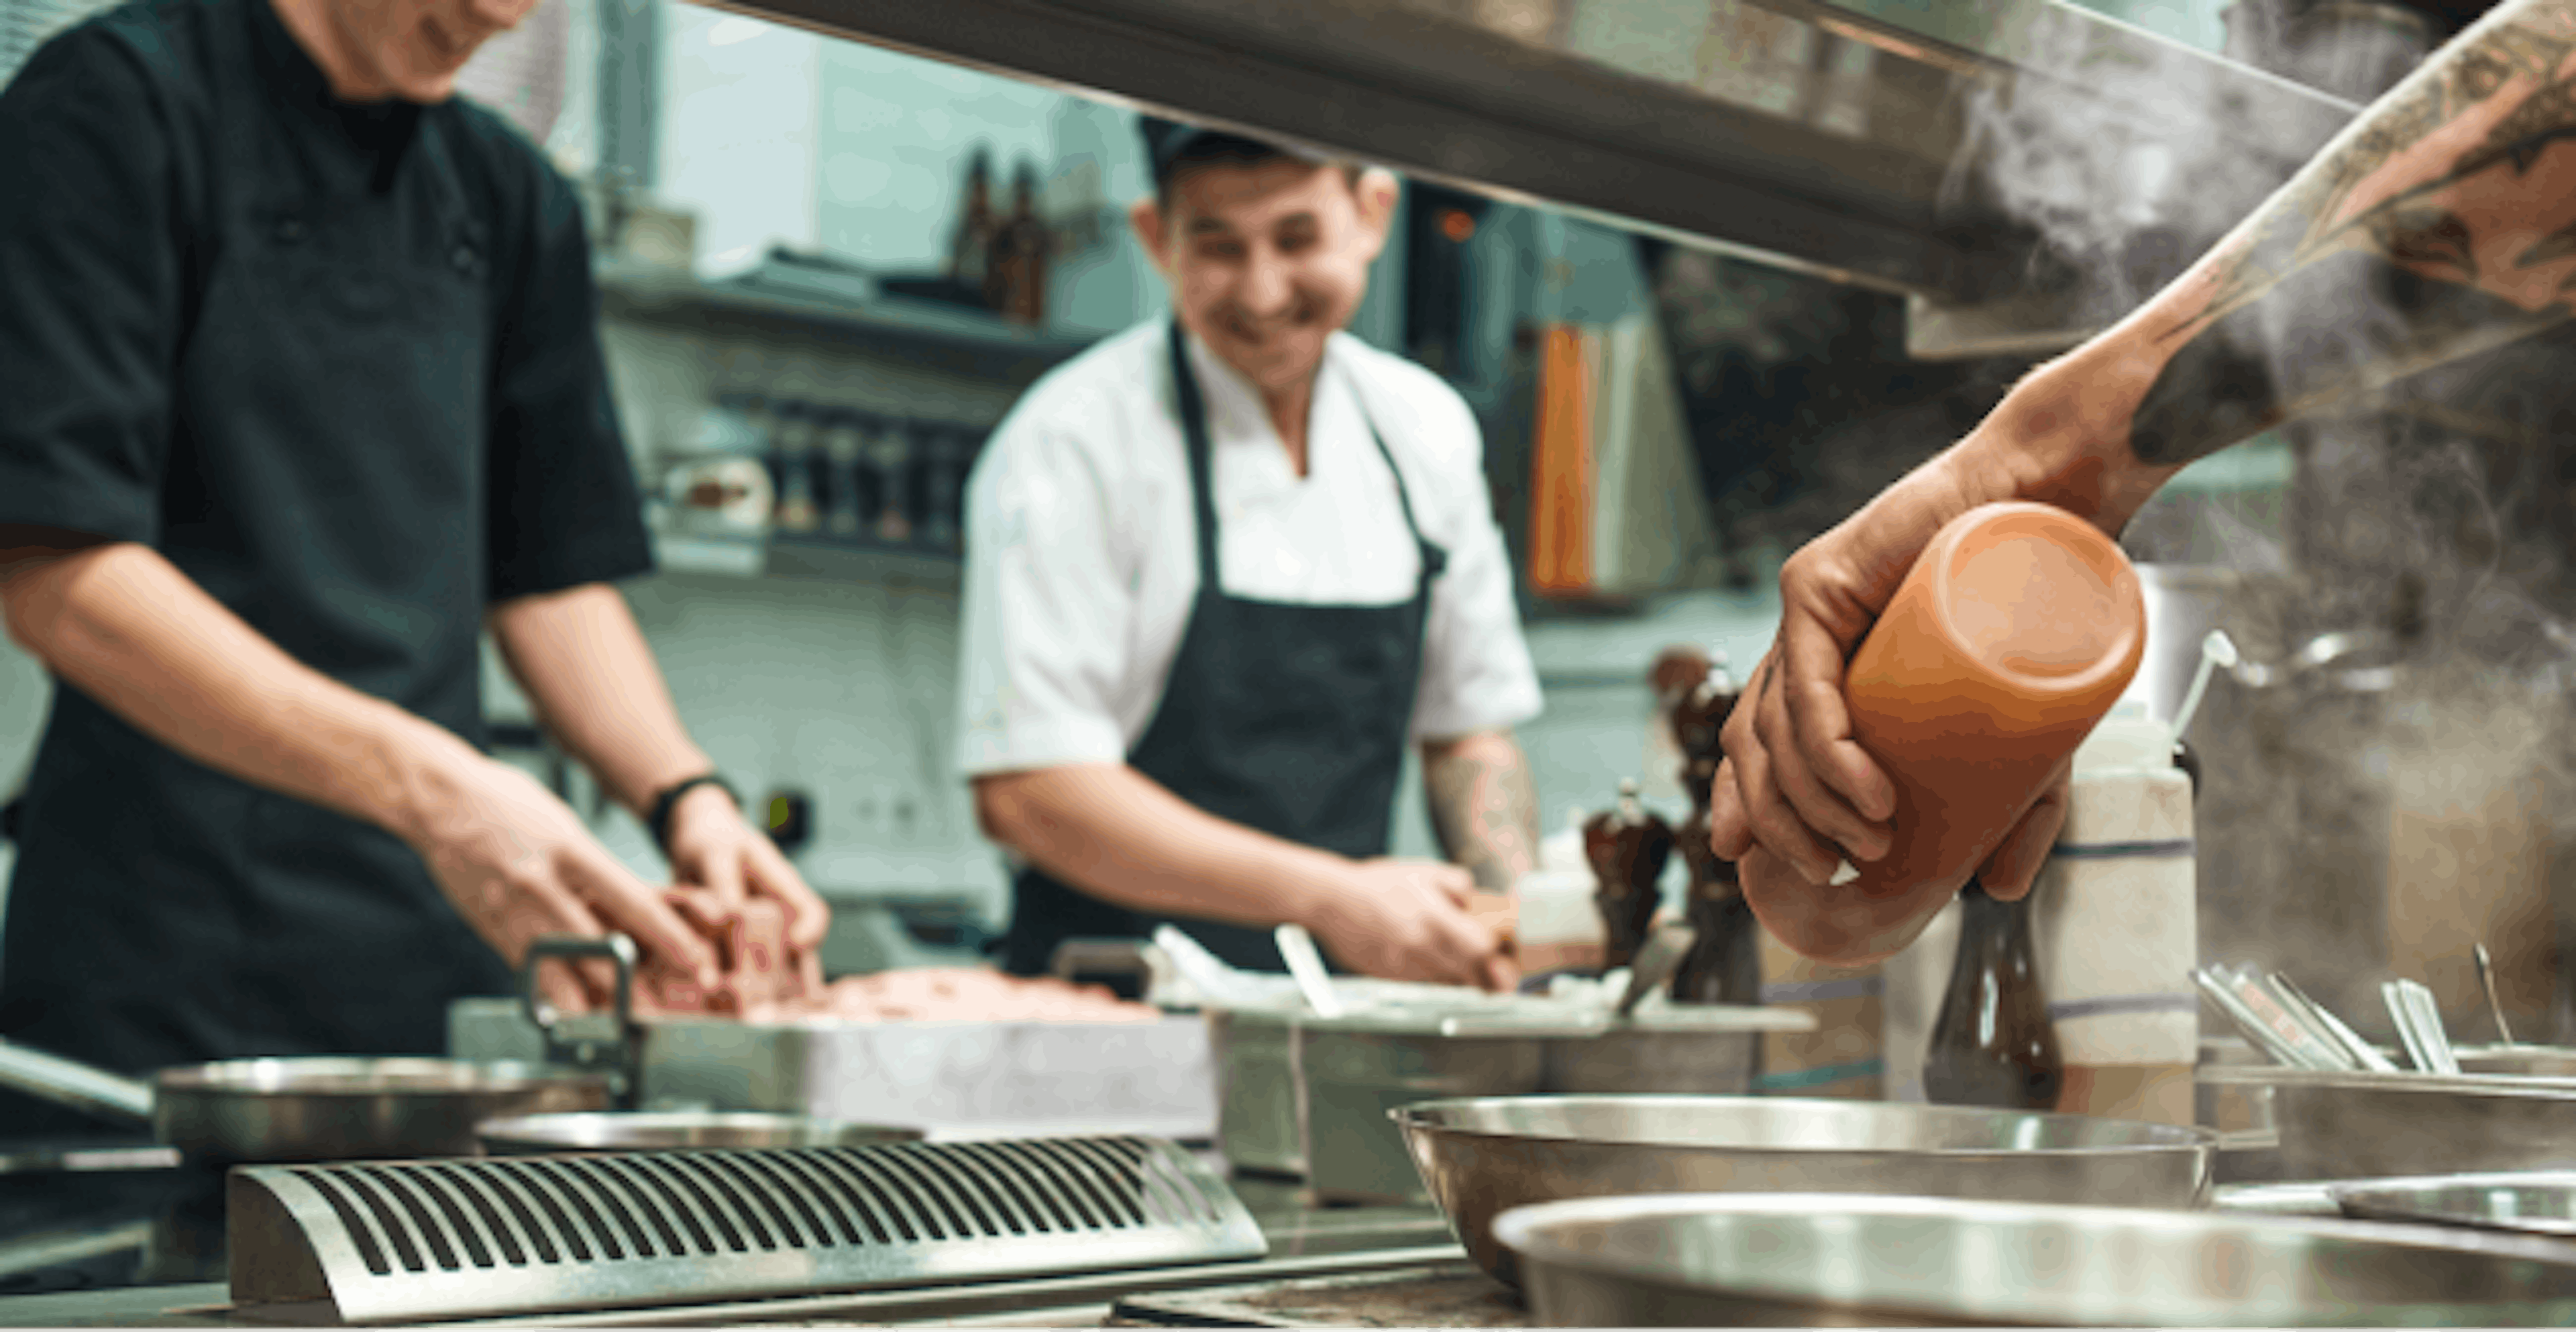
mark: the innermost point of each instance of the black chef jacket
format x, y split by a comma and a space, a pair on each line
339, 364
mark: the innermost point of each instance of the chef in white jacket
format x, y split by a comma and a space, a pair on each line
1221, 570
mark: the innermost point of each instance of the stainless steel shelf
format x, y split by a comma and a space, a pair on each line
967, 341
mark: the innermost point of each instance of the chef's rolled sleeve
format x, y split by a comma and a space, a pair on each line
1048, 606
90, 292
564, 506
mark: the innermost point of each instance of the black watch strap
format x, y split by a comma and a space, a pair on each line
657, 820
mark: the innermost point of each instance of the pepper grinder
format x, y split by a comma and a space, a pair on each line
1628, 847
1724, 965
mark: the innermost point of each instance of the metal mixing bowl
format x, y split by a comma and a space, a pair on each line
1480, 1158
1802, 1260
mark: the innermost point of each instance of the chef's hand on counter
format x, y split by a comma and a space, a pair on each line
2409, 241
1408, 920
1125, 838
518, 864
587, 669
714, 847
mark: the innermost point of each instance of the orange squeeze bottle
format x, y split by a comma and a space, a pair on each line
2016, 630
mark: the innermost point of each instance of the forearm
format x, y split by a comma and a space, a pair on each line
592, 678
125, 627
1115, 833
2440, 223
1484, 807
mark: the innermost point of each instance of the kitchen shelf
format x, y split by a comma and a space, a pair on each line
969, 341
793, 556
788, 555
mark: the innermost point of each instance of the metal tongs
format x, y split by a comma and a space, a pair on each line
2283, 1022
2419, 1026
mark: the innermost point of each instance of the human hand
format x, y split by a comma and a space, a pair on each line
517, 863
1797, 795
714, 847
1411, 920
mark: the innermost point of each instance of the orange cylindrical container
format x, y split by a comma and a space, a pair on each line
2017, 629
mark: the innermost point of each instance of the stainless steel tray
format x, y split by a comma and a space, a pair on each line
2385, 1125
1804, 1260
1308, 1096
1481, 1158
989, 1078
2534, 1203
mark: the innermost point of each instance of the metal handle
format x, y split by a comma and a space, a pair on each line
2495, 1001
66, 1082
580, 1040
1655, 964
1298, 948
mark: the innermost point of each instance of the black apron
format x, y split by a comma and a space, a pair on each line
327, 483
1289, 719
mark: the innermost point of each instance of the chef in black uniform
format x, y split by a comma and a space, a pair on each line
1221, 571
299, 390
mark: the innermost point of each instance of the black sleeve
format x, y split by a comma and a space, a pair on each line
90, 291
564, 509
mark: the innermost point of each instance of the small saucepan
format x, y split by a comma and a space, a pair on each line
650, 1131
316, 1108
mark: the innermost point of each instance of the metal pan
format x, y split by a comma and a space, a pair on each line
654, 1131
2531, 1203
2408, 1125
1803, 1260
1481, 1158
308, 1108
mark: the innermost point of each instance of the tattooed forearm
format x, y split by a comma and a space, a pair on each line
2442, 224
1483, 807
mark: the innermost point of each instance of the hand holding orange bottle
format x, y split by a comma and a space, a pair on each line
2013, 633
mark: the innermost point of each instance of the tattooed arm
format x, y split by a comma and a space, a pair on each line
1483, 807
2440, 223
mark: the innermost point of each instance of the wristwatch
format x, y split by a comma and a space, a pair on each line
657, 819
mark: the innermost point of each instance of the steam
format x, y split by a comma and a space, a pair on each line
2378, 817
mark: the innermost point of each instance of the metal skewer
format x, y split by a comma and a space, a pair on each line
2486, 978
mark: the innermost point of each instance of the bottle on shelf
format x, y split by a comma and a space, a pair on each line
1993, 1044
792, 469
942, 478
843, 439
893, 455
1628, 847
970, 246
1015, 285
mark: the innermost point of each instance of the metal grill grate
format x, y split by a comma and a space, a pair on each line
443, 1239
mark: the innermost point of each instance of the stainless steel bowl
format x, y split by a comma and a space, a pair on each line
2384, 1125
663, 1131
1481, 1158
1799, 1260
2534, 1203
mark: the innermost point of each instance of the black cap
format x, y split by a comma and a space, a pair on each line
1167, 142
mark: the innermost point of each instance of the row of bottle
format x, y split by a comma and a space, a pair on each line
862, 477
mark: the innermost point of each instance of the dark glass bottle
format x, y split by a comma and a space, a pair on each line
1993, 1044
1628, 848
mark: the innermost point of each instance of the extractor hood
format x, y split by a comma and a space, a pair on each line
1848, 138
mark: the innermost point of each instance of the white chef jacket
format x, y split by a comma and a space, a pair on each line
1082, 556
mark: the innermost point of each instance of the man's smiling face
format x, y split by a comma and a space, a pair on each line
1267, 259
